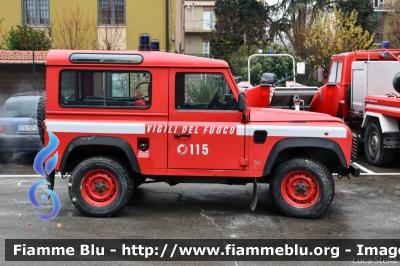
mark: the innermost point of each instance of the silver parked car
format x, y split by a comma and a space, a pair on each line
18, 125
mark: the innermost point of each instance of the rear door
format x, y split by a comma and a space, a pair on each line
204, 128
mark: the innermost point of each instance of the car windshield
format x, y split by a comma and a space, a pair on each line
21, 106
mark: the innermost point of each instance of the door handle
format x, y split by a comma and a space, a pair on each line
182, 135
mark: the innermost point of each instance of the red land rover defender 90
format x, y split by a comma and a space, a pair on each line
124, 116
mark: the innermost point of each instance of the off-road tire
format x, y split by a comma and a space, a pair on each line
311, 178
396, 82
373, 146
6, 157
41, 116
85, 186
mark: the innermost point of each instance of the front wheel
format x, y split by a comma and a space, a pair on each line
100, 186
373, 145
302, 188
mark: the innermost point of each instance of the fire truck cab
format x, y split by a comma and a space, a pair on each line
362, 88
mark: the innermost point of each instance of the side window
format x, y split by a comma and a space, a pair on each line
203, 91
105, 89
335, 75
35, 12
111, 12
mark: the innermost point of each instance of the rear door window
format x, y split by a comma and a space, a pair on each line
105, 89
21, 106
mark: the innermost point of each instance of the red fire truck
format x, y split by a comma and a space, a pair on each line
122, 117
363, 88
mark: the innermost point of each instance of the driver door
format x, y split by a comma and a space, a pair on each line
203, 122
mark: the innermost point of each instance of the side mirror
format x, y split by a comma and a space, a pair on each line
242, 102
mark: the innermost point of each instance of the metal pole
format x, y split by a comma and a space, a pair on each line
33, 67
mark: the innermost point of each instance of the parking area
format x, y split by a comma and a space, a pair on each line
363, 208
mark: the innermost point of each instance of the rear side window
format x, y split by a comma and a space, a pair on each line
105, 89
21, 106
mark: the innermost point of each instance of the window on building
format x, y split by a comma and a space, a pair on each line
35, 12
208, 18
111, 12
206, 47
377, 2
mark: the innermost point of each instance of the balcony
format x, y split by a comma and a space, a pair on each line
199, 25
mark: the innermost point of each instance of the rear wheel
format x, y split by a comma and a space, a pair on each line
302, 187
41, 116
100, 186
373, 145
6, 157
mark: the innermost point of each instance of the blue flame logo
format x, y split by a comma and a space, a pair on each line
44, 169
44, 153
35, 202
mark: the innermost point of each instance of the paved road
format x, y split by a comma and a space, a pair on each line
364, 207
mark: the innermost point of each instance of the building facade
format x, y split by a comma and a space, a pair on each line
100, 24
199, 22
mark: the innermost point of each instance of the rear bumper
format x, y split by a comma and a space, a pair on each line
20, 143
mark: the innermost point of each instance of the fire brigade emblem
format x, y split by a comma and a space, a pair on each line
182, 149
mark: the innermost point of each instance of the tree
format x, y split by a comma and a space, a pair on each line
111, 38
238, 22
391, 25
26, 38
364, 9
289, 18
280, 66
334, 33
2, 35
75, 30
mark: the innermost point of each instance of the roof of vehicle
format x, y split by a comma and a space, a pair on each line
150, 58
29, 93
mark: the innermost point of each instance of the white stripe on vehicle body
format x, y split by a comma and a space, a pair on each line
96, 127
382, 107
295, 131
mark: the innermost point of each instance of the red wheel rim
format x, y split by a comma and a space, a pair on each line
99, 188
300, 189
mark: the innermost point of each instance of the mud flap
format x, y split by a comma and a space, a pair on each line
253, 203
50, 179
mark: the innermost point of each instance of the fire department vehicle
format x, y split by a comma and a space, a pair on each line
363, 89
122, 117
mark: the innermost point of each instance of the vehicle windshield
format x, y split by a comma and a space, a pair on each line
21, 106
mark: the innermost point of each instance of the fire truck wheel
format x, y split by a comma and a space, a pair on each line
302, 188
373, 145
100, 186
396, 82
41, 116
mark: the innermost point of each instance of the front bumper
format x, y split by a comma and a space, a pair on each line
20, 143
